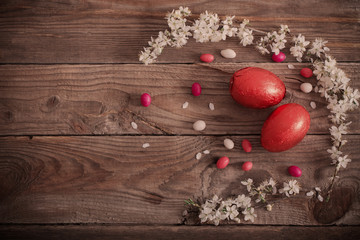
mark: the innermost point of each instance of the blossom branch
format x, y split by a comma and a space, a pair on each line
332, 82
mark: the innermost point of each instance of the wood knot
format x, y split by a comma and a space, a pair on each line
331, 211
51, 104
53, 101
8, 116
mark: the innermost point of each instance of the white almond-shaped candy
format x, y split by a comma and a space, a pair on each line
199, 125
228, 143
228, 53
313, 105
306, 87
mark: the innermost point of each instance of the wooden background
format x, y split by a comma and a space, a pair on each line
71, 166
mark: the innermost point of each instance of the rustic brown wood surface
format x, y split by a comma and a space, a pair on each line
111, 31
71, 165
112, 179
104, 99
178, 232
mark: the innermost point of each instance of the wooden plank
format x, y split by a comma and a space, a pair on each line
112, 179
177, 232
111, 32
104, 99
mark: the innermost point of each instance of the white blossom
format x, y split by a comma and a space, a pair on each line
249, 214
275, 40
205, 29
342, 161
334, 151
320, 198
245, 34
299, 47
227, 29
318, 47
248, 183
290, 188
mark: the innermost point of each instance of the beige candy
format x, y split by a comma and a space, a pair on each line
228, 53
199, 125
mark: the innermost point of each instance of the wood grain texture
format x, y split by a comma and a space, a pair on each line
93, 232
94, 31
104, 99
112, 179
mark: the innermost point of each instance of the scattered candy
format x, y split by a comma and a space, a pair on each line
294, 171
206, 152
228, 143
317, 189
198, 156
320, 198
207, 57
290, 66
306, 72
185, 105
306, 87
278, 58
246, 145
196, 89
228, 53
146, 145
145, 99
134, 125
247, 166
211, 106
313, 105
199, 125
222, 162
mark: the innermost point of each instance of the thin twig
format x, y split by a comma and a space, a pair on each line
330, 189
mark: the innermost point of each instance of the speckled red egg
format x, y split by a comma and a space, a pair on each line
285, 127
256, 88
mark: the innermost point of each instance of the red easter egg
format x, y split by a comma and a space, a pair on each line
285, 127
207, 57
222, 162
256, 88
294, 171
246, 145
247, 166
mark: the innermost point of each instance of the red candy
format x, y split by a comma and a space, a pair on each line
196, 89
294, 171
256, 88
222, 162
285, 127
306, 72
278, 58
145, 99
246, 145
247, 166
207, 57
